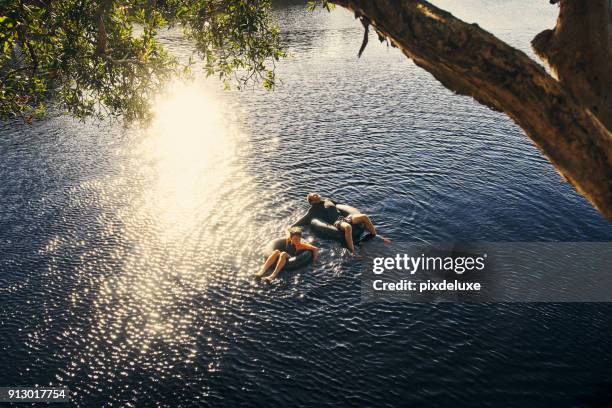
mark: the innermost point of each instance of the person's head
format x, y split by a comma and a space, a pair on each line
295, 235
313, 198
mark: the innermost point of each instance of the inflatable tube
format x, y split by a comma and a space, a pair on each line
327, 230
301, 259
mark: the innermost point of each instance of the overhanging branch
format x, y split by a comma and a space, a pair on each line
471, 61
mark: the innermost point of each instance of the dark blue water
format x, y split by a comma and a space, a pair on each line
126, 256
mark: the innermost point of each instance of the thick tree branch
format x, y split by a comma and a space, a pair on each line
579, 52
471, 61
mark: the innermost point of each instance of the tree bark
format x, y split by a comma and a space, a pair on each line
568, 121
579, 52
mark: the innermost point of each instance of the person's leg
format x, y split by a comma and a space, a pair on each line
348, 235
282, 260
269, 262
365, 220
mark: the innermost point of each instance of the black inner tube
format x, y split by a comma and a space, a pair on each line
299, 260
327, 230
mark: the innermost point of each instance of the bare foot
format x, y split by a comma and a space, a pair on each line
268, 279
385, 239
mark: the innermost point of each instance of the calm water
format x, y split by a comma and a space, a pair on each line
126, 257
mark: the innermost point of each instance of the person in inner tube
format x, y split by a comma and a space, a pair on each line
293, 246
326, 210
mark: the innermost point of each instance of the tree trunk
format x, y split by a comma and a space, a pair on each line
579, 52
568, 119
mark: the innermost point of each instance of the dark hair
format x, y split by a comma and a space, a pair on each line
295, 231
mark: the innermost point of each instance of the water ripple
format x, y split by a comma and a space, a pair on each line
127, 255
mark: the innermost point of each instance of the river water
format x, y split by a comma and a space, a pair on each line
126, 256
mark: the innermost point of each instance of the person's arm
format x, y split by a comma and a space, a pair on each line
315, 253
304, 220
309, 247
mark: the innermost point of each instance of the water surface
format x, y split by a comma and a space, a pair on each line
127, 256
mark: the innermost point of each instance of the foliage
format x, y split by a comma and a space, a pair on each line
312, 5
104, 57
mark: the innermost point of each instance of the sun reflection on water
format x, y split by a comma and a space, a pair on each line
192, 146
175, 218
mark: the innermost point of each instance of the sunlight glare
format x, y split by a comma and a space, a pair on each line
192, 146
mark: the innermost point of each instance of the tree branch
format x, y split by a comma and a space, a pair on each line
366, 33
471, 61
21, 30
123, 61
103, 8
579, 52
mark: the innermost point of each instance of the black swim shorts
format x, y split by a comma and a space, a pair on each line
348, 219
